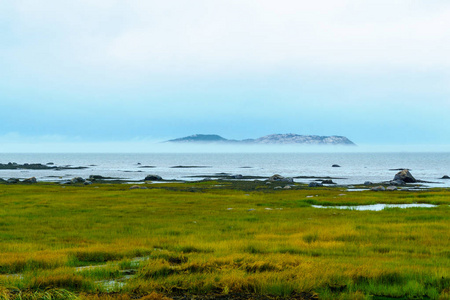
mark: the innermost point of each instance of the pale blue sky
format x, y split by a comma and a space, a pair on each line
81, 71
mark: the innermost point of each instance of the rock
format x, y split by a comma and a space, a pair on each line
134, 187
277, 188
405, 176
95, 177
50, 164
397, 182
368, 183
378, 188
237, 176
335, 166
66, 182
328, 181
153, 178
87, 182
287, 187
30, 180
77, 180
279, 178
445, 177
391, 188
12, 180
315, 184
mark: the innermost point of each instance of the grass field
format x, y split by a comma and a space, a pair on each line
220, 239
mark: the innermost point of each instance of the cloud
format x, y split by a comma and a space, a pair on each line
229, 35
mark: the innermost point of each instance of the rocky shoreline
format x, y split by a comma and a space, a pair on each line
403, 179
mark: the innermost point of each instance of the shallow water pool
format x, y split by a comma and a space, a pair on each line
378, 207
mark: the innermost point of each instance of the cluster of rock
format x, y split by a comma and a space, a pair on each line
77, 180
279, 178
400, 179
36, 166
153, 178
17, 180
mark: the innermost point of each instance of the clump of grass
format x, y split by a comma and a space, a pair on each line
66, 281
261, 266
311, 238
96, 256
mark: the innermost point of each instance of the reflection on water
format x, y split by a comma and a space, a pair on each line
378, 207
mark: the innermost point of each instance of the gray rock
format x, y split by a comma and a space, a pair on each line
287, 187
445, 177
391, 188
328, 181
13, 180
237, 176
336, 166
87, 182
279, 178
66, 182
397, 182
30, 180
315, 184
134, 187
77, 180
277, 188
379, 188
153, 178
368, 183
405, 176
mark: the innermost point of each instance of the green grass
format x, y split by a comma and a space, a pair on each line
183, 238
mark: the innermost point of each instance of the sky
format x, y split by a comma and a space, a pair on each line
89, 72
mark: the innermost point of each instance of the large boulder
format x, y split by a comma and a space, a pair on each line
279, 178
378, 188
77, 180
328, 181
405, 176
30, 180
13, 180
315, 184
153, 178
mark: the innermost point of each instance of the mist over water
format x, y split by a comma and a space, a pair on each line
157, 146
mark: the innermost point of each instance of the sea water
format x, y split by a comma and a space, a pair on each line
355, 168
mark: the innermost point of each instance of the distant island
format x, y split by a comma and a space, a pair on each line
272, 139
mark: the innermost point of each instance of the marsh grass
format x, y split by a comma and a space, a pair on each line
182, 238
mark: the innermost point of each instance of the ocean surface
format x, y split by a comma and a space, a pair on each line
356, 168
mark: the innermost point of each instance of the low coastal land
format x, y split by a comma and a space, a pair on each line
220, 239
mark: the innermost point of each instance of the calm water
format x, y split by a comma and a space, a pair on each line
355, 167
378, 207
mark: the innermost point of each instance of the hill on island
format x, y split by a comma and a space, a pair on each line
272, 139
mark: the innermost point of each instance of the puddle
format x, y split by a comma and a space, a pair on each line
378, 207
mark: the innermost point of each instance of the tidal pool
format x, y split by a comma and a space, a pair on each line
378, 207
